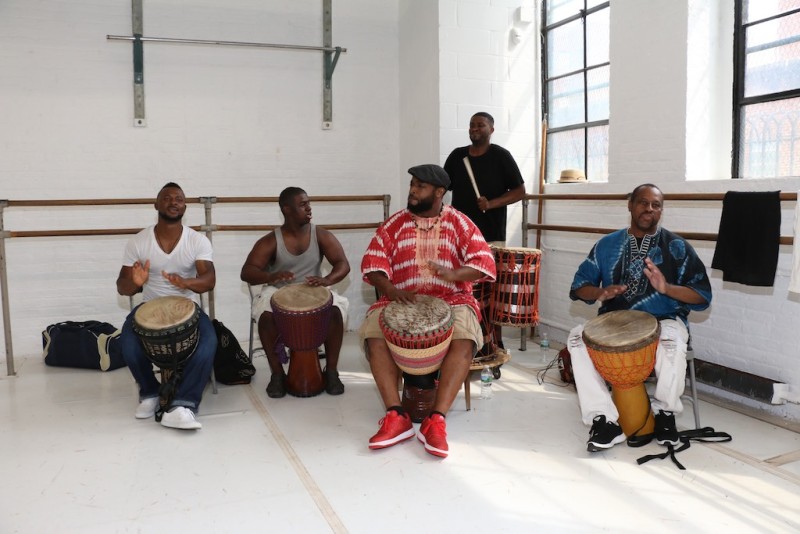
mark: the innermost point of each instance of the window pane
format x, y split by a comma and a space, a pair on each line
565, 101
597, 80
565, 150
770, 139
773, 56
565, 49
591, 3
562, 9
760, 9
597, 25
598, 154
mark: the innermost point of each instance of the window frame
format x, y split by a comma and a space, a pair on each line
740, 101
585, 70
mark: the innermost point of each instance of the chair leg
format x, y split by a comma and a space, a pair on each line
250, 346
693, 386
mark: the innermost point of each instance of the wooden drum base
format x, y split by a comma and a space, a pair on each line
304, 378
635, 415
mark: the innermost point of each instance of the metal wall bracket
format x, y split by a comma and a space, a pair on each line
329, 59
138, 65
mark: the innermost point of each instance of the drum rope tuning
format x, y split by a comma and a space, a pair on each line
418, 334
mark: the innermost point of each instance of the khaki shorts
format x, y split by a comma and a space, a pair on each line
465, 326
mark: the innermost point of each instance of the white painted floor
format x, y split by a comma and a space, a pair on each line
74, 460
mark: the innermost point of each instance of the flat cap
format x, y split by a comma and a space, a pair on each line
431, 174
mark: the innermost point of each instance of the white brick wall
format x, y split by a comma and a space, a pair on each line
225, 121
483, 70
247, 122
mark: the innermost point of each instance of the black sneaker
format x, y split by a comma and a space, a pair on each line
277, 386
333, 385
666, 433
604, 434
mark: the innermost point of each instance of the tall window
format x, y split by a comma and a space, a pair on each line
576, 86
766, 130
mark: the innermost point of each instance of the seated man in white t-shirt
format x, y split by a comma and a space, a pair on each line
169, 259
293, 254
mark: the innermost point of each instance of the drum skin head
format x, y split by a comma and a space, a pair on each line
301, 297
427, 314
164, 312
621, 329
519, 250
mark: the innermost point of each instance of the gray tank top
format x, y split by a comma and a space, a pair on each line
306, 264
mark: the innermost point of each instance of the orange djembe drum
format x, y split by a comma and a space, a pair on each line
622, 344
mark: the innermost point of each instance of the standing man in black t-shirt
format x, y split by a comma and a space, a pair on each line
497, 177
497, 180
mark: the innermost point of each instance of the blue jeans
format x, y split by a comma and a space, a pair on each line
196, 371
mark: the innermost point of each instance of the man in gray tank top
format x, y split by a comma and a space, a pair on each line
293, 254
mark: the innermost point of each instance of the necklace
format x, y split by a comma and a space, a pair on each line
633, 265
426, 224
172, 245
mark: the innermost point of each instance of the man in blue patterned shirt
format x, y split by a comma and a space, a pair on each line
648, 268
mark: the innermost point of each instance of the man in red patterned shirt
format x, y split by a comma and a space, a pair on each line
426, 249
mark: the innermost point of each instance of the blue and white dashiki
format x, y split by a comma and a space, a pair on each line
618, 259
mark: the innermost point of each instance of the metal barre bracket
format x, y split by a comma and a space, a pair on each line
330, 58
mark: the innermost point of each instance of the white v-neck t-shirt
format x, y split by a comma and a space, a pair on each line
192, 247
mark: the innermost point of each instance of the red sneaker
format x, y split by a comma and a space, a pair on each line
433, 434
394, 429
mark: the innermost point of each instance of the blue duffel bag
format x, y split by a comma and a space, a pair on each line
86, 345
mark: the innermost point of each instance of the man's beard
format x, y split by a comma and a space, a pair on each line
421, 207
169, 218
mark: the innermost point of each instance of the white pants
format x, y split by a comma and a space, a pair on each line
670, 368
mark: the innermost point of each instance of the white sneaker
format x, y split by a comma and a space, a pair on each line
147, 408
181, 417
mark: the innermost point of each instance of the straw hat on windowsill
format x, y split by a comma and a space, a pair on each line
572, 176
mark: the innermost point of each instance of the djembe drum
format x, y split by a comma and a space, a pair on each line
622, 345
168, 330
515, 294
302, 315
418, 334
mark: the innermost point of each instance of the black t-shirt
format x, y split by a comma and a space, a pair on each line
495, 172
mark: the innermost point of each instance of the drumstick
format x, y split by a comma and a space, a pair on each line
471, 177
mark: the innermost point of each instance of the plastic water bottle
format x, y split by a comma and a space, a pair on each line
486, 383
544, 348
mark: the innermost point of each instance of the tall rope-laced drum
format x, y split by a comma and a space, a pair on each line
515, 294
302, 315
622, 345
168, 330
482, 291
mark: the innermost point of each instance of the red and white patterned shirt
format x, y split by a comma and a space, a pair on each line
401, 250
